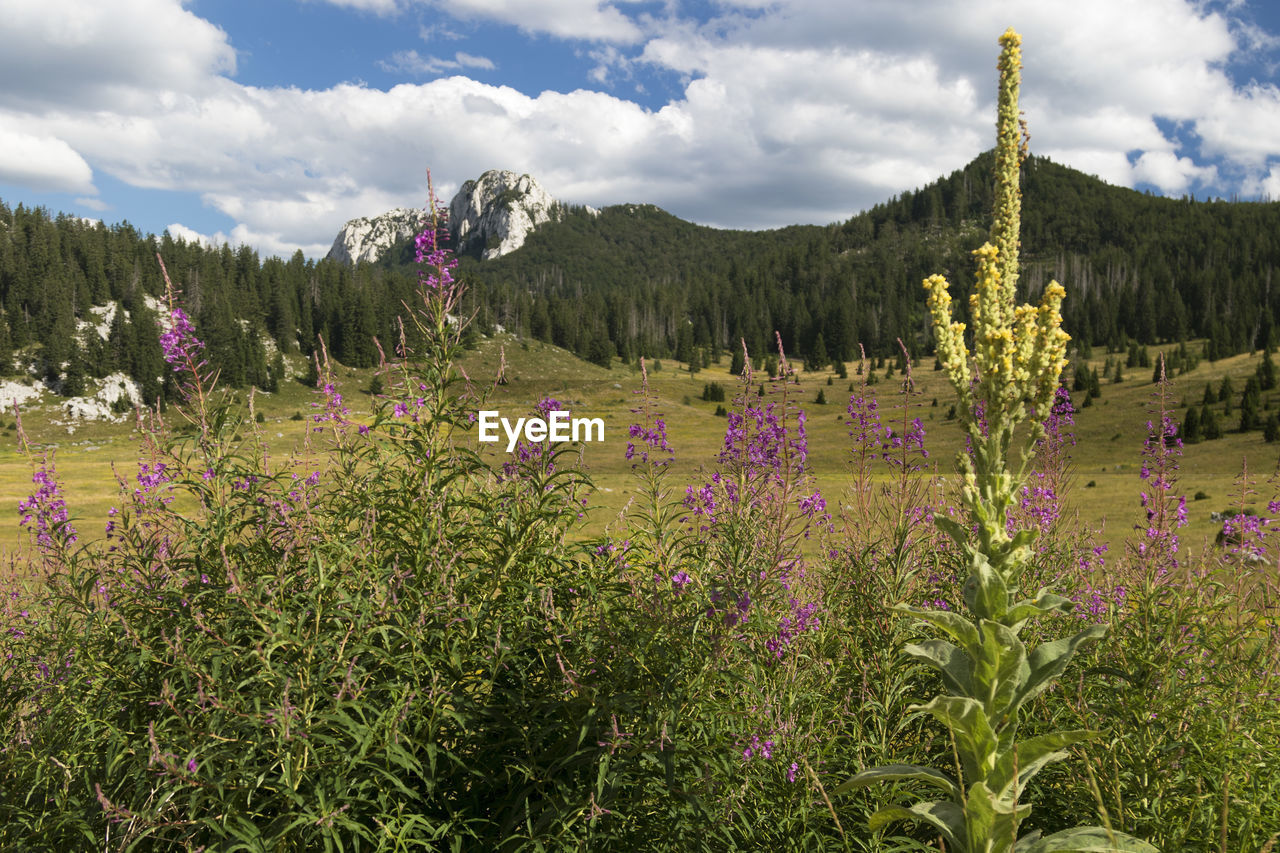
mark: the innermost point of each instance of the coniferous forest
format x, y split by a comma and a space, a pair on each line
634, 280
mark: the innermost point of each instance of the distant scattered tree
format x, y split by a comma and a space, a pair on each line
1191, 433
1226, 390
1267, 372
1209, 425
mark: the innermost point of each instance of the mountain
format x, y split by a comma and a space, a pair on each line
365, 239
633, 280
494, 215
488, 217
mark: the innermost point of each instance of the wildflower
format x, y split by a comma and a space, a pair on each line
179, 344
45, 512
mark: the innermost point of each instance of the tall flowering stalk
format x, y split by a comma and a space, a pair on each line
988, 672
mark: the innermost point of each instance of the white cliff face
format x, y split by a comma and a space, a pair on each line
366, 238
497, 212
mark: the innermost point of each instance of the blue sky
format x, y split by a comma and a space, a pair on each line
271, 123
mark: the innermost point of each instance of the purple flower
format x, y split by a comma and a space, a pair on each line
181, 348
436, 262
46, 512
680, 580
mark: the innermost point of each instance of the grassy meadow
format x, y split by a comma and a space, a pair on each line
1104, 486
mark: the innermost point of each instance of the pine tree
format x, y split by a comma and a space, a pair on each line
74, 383
1209, 397
1191, 433
738, 364
1209, 424
1271, 432
1267, 372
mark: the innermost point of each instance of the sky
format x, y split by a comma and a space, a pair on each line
271, 123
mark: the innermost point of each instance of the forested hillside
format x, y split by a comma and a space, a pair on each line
635, 280
1135, 267
55, 271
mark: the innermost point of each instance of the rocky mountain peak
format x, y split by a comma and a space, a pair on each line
366, 238
495, 213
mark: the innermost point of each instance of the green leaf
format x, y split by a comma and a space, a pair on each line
1084, 839
944, 816
1002, 670
962, 630
1049, 661
967, 719
984, 590
952, 662
1030, 756
1044, 602
898, 772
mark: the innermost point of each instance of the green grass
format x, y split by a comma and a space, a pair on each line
1109, 434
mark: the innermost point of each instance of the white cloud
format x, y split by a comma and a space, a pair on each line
42, 162
411, 62
93, 203
466, 60
1171, 174
189, 235
572, 19
93, 55
786, 112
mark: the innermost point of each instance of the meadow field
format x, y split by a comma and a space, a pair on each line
1104, 483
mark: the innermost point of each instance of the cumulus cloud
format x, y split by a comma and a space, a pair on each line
99, 55
785, 111
42, 162
189, 235
1171, 174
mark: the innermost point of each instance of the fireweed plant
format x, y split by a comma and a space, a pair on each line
366, 645
988, 672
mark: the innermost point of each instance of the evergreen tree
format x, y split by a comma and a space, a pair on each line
738, 364
1267, 372
1226, 390
600, 351
1209, 397
1271, 432
1191, 433
1095, 384
1209, 426
818, 357
73, 383
6, 348
1250, 404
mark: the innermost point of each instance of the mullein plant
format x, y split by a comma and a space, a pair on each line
1010, 376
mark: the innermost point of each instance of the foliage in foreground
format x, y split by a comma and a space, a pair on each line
394, 642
